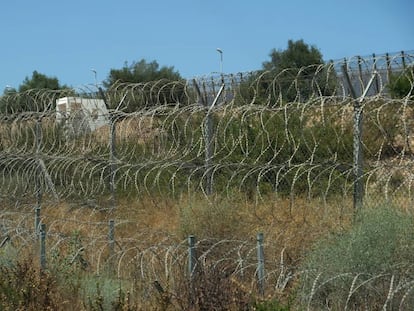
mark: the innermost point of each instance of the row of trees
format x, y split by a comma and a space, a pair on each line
298, 54
37, 81
136, 72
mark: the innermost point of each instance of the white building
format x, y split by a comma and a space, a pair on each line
81, 115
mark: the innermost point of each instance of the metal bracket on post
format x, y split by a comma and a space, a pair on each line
41, 167
112, 146
216, 98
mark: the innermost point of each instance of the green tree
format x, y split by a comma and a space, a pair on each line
141, 71
145, 84
296, 73
402, 84
23, 99
297, 55
40, 81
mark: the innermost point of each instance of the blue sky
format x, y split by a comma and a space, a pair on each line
66, 39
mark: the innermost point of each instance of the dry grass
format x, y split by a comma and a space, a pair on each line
292, 227
138, 129
147, 229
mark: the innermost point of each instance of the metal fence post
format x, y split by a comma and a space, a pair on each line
192, 256
358, 156
192, 265
112, 144
111, 238
403, 60
208, 138
43, 247
208, 132
361, 76
112, 149
41, 169
358, 167
37, 222
357, 145
377, 87
389, 69
260, 264
38, 138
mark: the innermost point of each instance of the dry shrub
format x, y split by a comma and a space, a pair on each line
156, 223
213, 289
22, 287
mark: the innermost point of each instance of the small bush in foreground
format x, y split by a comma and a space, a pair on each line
370, 265
215, 290
23, 288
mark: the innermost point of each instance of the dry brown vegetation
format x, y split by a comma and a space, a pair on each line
290, 228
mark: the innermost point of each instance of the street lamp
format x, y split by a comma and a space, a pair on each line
221, 59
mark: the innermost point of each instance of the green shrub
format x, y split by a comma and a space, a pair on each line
383, 128
401, 84
105, 294
359, 266
8, 255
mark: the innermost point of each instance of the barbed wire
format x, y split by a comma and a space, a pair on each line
260, 135
287, 133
